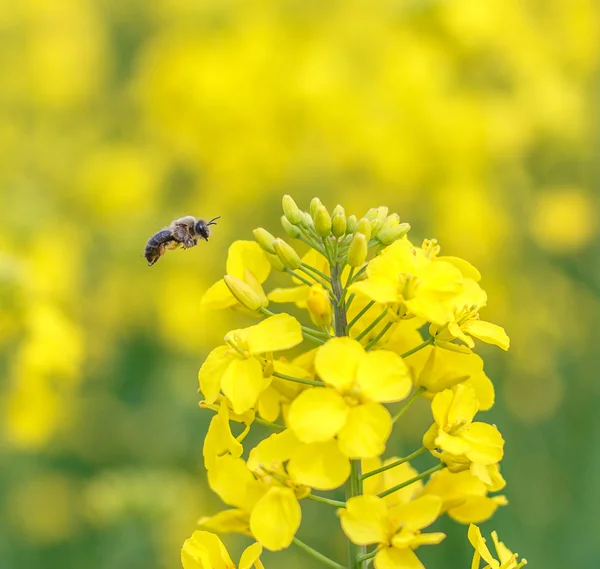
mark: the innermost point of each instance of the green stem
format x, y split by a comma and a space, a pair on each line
298, 379
372, 325
317, 272
426, 343
358, 273
389, 491
410, 401
313, 244
381, 334
350, 299
360, 315
354, 488
369, 555
327, 501
313, 338
393, 464
317, 555
301, 279
266, 423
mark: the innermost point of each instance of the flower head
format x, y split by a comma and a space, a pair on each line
204, 550
506, 559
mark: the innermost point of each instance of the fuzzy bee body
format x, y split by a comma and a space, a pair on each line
183, 232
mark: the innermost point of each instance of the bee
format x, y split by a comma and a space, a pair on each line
183, 232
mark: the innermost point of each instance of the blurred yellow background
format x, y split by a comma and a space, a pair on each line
476, 121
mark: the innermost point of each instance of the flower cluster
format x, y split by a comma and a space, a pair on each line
392, 322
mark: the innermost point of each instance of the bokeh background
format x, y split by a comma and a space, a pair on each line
476, 121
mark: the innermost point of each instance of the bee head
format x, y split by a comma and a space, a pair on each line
201, 227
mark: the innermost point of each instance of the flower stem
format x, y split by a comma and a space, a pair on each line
410, 401
381, 334
419, 347
317, 555
372, 325
317, 272
298, 379
266, 423
328, 501
369, 555
358, 274
393, 464
300, 278
360, 315
389, 491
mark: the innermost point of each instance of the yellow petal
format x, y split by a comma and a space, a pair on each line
273, 451
452, 444
219, 439
427, 539
486, 442
337, 361
488, 332
269, 403
321, 466
204, 550
383, 376
275, 518
440, 406
242, 383
217, 297
231, 480
244, 255
298, 295
317, 414
366, 431
382, 291
365, 520
227, 521
484, 389
475, 509
373, 484
468, 271
464, 405
250, 555
477, 541
419, 513
279, 332
392, 558
398, 475
212, 371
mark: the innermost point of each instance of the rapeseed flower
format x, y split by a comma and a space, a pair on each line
204, 550
506, 559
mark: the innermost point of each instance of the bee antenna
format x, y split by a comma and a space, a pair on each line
213, 220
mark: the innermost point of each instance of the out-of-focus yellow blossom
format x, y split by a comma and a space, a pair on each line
237, 369
506, 559
396, 530
319, 306
204, 550
454, 432
465, 496
410, 283
249, 263
350, 406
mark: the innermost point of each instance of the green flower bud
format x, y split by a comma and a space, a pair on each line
276, 263
287, 254
291, 210
264, 239
338, 224
391, 234
390, 221
351, 224
322, 222
290, 229
357, 252
364, 227
307, 220
378, 221
338, 209
243, 292
372, 214
315, 203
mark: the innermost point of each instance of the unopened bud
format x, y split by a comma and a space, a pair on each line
291, 210
364, 227
357, 252
264, 239
243, 292
371, 214
290, 229
390, 221
338, 209
322, 222
319, 306
276, 262
307, 220
315, 203
377, 223
287, 255
338, 224
351, 224
391, 234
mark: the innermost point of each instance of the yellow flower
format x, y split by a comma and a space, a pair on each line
249, 263
465, 322
465, 496
455, 433
204, 550
390, 478
319, 306
396, 530
506, 559
349, 406
410, 283
219, 439
236, 369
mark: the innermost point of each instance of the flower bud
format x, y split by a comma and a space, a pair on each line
351, 224
322, 222
287, 255
338, 224
264, 239
357, 252
290, 229
364, 227
371, 214
315, 203
390, 221
276, 263
243, 292
307, 220
391, 234
378, 221
319, 306
338, 209
291, 210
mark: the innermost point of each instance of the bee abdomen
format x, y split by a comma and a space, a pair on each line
163, 236
156, 245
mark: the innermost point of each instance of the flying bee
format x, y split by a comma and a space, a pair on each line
183, 232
